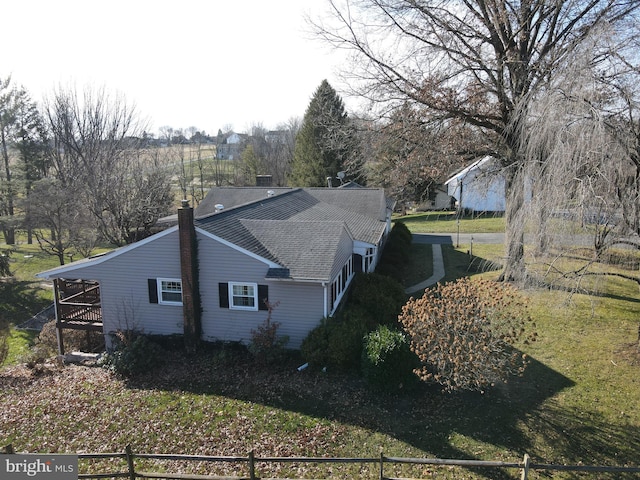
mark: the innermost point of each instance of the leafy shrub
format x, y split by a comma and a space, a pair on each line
134, 354
266, 345
391, 270
379, 298
464, 332
315, 346
335, 343
402, 233
387, 360
345, 342
395, 255
44, 347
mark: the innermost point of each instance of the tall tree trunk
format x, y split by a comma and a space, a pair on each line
514, 268
8, 230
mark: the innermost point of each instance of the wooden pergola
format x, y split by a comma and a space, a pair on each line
78, 307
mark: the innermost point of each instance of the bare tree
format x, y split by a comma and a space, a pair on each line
584, 134
476, 61
198, 149
409, 157
138, 195
95, 150
61, 226
279, 151
166, 133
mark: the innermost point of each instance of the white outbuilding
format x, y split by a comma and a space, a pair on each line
480, 187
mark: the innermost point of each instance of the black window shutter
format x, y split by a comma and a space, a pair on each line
263, 297
223, 289
153, 290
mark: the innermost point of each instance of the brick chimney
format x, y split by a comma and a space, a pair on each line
191, 306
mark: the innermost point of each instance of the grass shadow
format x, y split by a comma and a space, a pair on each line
424, 418
20, 301
460, 264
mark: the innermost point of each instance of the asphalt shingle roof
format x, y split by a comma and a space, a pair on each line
300, 229
307, 249
231, 197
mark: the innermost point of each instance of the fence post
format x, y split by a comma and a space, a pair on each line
132, 472
525, 467
252, 466
381, 464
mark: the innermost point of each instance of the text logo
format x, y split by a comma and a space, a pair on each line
39, 467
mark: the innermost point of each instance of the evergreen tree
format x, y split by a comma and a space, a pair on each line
31, 147
325, 140
8, 107
21, 151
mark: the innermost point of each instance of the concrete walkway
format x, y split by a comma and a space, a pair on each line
438, 271
436, 240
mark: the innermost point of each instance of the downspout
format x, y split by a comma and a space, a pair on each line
191, 306
324, 303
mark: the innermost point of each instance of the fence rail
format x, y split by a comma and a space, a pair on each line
525, 467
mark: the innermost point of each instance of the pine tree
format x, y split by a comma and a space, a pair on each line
324, 142
21, 152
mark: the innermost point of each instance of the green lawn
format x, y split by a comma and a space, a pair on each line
447, 222
24, 295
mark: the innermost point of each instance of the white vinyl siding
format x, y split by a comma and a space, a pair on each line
300, 307
124, 288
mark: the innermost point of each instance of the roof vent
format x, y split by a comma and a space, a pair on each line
270, 193
219, 207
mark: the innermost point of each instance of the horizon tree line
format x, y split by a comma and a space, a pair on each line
422, 126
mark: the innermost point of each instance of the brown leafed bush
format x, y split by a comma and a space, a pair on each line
81, 340
464, 333
46, 345
267, 346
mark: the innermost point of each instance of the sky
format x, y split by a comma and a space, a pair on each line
209, 64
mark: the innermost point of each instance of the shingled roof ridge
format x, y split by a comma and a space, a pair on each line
235, 208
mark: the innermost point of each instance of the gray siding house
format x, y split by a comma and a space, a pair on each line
297, 248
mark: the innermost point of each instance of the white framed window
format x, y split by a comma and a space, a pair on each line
341, 282
170, 291
243, 296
